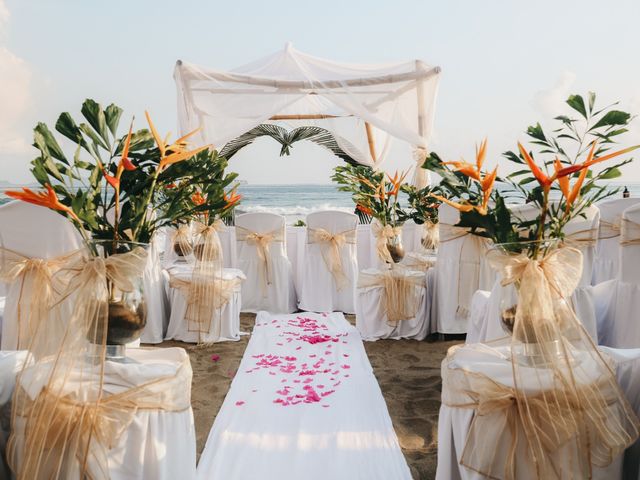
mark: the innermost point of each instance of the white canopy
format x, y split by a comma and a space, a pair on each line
363, 106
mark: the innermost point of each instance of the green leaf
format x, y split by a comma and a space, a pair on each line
592, 100
112, 115
86, 129
611, 118
610, 174
46, 142
537, 133
92, 111
577, 103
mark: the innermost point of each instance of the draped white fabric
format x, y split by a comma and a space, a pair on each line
155, 296
225, 324
33, 232
607, 260
396, 99
371, 315
304, 405
460, 270
320, 290
158, 444
617, 302
269, 284
454, 423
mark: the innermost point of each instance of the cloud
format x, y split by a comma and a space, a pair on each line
551, 101
15, 94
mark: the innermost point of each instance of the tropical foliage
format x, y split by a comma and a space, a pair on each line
560, 187
108, 183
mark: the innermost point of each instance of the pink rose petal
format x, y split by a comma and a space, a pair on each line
215, 358
239, 403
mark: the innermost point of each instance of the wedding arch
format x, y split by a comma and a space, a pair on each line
363, 107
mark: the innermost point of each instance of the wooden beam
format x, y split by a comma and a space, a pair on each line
371, 141
317, 116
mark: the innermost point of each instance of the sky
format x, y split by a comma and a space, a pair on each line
505, 64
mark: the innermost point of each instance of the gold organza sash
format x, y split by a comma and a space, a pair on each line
565, 395
382, 234
431, 237
331, 248
609, 229
182, 238
78, 438
36, 290
402, 291
537, 427
51, 422
630, 233
582, 238
262, 242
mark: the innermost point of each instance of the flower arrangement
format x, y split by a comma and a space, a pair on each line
565, 187
113, 195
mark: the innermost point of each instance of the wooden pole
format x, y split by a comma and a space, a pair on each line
306, 117
371, 141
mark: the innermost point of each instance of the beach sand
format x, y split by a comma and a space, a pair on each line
408, 373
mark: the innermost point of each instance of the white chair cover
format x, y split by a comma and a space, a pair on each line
454, 423
228, 318
460, 270
607, 261
278, 296
227, 238
320, 292
155, 295
617, 302
34, 232
580, 232
371, 317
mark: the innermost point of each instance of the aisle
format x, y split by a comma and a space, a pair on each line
304, 404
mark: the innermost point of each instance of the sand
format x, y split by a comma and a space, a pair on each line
408, 373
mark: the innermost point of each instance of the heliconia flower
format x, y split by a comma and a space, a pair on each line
111, 180
396, 181
480, 154
487, 184
592, 160
575, 191
171, 186
125, 163
463, 207
364, 209
563, 181
47, 199
232, 199
466, 168
542, 178
197, 199
174, 153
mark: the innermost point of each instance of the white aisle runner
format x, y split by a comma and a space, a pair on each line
304, 405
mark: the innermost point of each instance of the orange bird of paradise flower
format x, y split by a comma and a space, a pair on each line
475, 172
175, 152
364, 209
197, 199
232, 199
47, 199
396, 182
124, 164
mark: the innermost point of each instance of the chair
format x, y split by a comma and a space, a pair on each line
617, 302
607, 261
261, 246
31, 232
330, 266
460, 270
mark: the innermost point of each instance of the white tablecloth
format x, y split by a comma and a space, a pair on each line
304, 405
229, 316
454, 423
157, 445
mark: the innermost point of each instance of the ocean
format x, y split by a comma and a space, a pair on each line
296, 201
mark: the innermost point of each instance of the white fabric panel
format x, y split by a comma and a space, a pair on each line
34, 232
451, 274
318, 289
396, 99
630, 254
154, 294
228, 318
280, 295
454, 423
157, 445
477, 318
345, 434
607, 260
371, 317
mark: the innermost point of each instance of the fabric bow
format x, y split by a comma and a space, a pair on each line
331, 246
383, 233
262, 242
